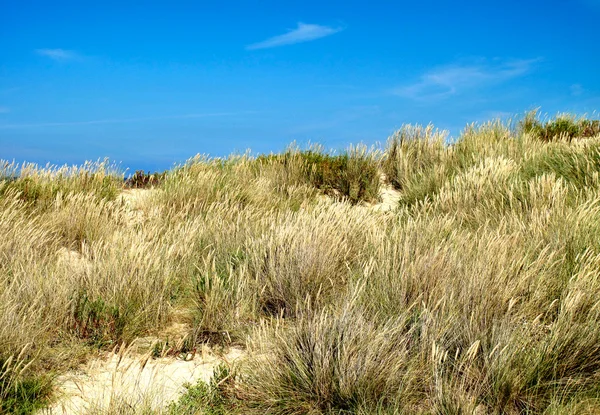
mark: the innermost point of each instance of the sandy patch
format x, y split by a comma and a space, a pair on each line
138, 206
74, 260
132, 376
389, 197
136, 380
136, 197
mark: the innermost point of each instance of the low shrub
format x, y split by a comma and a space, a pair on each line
143, 180
203, 398
96, 321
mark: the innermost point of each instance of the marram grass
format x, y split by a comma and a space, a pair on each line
479, 293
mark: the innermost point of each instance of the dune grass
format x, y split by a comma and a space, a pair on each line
478, 294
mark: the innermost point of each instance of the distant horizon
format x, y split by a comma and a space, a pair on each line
152, 85
144, 165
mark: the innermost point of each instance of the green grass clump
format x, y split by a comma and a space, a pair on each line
325, 364
352, 175
205, 399
26, 397
418, 161
562, 127
21, 391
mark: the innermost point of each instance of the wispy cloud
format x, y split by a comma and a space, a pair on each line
4, 110
10, 90
60, 55
303, 33
123, 120
337, 118
446, 81
577, 90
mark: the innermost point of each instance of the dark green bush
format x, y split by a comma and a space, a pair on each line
141, 179
96, 321
205, 399
589, 128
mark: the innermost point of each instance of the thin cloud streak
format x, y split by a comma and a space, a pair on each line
446, 81
303, 33
60, 55
10, 90
577, 90
123, 120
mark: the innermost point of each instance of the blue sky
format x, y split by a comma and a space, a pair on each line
149, 84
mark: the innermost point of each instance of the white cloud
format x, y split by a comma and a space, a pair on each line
577, 90
124, 120
57, 54
303, 33
448, 80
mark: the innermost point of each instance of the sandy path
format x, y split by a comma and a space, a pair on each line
136, 378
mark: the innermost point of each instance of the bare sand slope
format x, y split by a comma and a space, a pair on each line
388, 195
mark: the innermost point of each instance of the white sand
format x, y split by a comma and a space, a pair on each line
133, 379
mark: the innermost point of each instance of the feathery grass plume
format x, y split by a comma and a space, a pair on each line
39, 186
325, 364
